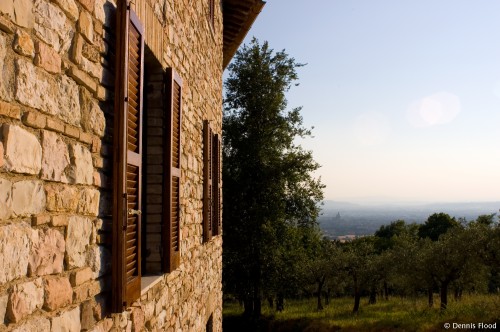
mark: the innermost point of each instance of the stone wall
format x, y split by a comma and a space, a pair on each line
56, 106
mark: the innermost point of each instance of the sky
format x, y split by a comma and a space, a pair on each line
404, 96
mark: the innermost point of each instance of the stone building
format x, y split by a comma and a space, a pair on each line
110, 123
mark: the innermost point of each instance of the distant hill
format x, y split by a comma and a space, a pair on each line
345, 218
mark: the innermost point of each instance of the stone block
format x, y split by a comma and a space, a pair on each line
80, 293
93, 119
87, 316
35, 88
91, 52
81, 276
23, 12
72, 131
39, 324
4, 298
69, 7
47, 253
7, 8
28, 197
99, 259
77, 240
24, 299
69, 104
98, 161
88, 202
60, 221
82, 78
138, 319
96, 145
55, 125
81, 168
76, 48
68, 321
88, 4
40, 219
23, 152
52, 26
86, 26
101, 93
47, 58
34, 119
91, 68
61, 198
23, 44
4, 83
5, 24
58, 293
5, 199
86, 138
9, 110
55, 160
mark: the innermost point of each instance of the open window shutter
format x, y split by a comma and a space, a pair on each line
127, 158
207, 181
217, 185
171, 229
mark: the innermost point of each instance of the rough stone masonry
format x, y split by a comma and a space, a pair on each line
56, 114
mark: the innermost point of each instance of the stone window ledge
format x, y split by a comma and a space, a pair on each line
148, 282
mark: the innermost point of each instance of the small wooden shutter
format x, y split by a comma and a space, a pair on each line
211, 12
172, 224
127, 158
217, 185
207, 181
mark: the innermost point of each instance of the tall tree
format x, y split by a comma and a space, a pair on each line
436, 225
268, 182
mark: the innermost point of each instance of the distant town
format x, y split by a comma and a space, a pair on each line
346, 221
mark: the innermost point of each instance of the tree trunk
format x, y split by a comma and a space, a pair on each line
270, 300
357, 296
444, 295
373, 296
386, 291
248, 305
320, 287
280, 303
430, 297
327, 296
257, 306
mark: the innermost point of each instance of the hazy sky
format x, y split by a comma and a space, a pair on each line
404, 95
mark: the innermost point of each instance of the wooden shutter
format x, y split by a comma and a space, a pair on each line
211, 12
171, 218
127, 158
216, 185
207, 181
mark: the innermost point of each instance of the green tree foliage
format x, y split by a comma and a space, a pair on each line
268, 183
436, 225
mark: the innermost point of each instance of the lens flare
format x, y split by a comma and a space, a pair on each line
436, 109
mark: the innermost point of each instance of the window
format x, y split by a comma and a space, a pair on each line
212, 183
147, 148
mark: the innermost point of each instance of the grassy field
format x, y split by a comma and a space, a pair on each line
397, 314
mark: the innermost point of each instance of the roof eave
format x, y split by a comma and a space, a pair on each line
238, 18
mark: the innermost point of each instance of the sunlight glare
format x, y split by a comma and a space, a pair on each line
435, 109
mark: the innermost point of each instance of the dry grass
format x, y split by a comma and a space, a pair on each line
397, 314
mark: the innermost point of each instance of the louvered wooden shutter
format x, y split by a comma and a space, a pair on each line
127, 158
207, 181
216, 185
172, 229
